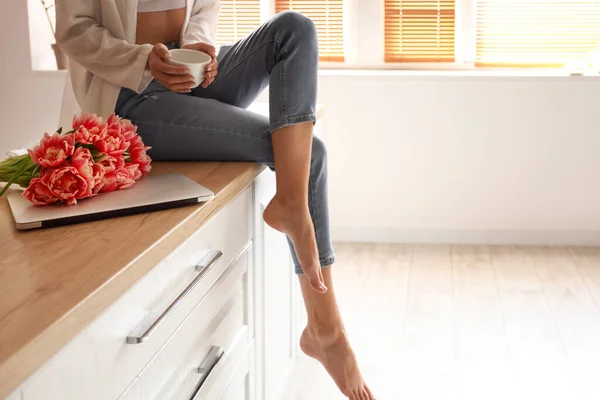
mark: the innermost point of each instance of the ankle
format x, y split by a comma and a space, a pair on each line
326, 332
292, 203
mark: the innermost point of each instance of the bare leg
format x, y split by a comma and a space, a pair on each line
324, 337
325, 340
288, 212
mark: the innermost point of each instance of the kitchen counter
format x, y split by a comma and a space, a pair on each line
55, 282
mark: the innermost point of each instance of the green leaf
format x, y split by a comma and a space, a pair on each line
23, 181
15, 176
30, 163
59, 131
98, 156
13, 160
11, 165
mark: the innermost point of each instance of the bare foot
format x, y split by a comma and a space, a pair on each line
334, 352
295, 222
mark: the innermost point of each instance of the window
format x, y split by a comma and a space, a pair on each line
419, 30
434, 34
237, 19
328, 16
519, 33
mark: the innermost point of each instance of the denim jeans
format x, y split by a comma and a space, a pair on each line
212, 124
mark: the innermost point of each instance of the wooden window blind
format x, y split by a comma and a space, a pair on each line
549, 33
328, 16
419, 30
237, 19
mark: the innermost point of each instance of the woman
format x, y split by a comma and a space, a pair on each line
119, 53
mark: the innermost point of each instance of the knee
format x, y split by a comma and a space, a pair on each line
298, 25
319, 153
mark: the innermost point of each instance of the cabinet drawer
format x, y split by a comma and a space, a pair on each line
100, 363
220, 321
240, 385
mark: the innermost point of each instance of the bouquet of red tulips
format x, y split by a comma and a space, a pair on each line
94, 157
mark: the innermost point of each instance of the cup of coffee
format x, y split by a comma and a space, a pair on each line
196, 61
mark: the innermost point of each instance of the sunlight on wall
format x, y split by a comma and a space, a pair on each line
41, 36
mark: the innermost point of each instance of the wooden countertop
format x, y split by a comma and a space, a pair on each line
54, 282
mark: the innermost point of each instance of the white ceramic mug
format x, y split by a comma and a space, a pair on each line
195, 60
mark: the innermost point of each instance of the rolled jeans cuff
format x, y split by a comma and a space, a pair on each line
292, 121
324, 261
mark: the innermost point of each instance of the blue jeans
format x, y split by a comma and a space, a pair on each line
212, 124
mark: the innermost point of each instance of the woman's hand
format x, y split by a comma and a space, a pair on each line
176, 78
212, 68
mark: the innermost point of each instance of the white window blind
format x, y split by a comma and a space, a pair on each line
328, 16
419, 30
237, 19
548, 33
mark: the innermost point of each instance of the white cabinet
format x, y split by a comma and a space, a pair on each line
202, 355
278, 299
101, 357
151, 343
241, 384
235, 294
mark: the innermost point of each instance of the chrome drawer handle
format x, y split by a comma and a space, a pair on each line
203, 270
209, 363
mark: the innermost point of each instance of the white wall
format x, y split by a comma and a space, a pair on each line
463, 159
29, 100
412, 158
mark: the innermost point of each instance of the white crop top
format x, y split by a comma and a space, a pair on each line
159, 5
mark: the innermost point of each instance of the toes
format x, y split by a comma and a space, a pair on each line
350, 394
361, 395
319, 288
315, 278
371, 397
317, 285
321, 279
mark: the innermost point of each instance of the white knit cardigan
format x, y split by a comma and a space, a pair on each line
99, 38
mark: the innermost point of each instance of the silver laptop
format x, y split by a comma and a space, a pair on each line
149, 194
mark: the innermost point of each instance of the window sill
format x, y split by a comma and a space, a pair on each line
476, 73
412, 73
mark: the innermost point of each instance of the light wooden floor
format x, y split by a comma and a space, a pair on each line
467, 322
